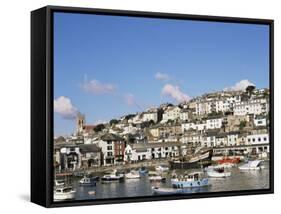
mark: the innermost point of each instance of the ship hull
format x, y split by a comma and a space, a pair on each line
201, 161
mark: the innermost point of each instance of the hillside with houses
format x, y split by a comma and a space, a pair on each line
229, 122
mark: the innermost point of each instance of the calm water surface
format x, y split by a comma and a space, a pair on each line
238, 180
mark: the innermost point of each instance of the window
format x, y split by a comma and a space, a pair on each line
259, 139
109, 148
265, 138
253, 139
109, 142
249, 140
109, 154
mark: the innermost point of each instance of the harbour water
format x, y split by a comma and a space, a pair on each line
239, 180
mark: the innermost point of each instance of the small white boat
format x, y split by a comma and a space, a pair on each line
164, 191
194, 179
112, 177
162, 168
59, 183
252, 165
155, 176
132, 175
87, 181
218, 173
64, 193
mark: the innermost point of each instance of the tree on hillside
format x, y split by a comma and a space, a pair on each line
99, 127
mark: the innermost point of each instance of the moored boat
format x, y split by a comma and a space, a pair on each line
162, 168
191, 180
218, 173
87, 181
59, 183
155, 176
132, 175
200, 159
252, 165
229, 160
143, 170
64, 193
111, 177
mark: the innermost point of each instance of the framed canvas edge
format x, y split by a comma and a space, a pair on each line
49, 101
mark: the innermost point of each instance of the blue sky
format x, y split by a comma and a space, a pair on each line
106, 66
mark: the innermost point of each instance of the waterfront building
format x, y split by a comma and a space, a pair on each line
112, 147
147, 151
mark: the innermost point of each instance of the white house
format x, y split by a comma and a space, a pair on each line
147, 151
199, 126
151, 114
255, 106
214, 123
258, 139
133, 154
260, 121
232, 138
171, 113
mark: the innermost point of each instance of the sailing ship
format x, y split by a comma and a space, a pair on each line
201, 158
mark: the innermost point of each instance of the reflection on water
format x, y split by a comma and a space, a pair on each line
142, 187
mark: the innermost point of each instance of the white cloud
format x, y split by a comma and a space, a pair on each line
175, 93
162, 76
64, 107
239, 86
130, 99
96, 87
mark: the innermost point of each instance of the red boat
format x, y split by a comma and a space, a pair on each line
234, 160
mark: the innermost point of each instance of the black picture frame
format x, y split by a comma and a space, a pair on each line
42, 104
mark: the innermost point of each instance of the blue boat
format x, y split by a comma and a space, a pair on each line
143, 171
191, 180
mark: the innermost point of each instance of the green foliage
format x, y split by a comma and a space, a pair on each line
113, 122
242, 125
99, 127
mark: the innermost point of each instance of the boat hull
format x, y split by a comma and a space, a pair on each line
178, 183
215, 174
64, 196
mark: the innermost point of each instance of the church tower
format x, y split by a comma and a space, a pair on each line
80, 122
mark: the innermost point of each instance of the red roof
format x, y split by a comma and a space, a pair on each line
88, 128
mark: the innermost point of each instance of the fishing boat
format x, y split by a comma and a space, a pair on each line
252, 165
64, 193
191, 180
201, 158
143, 170
155, 176
132, 175
87, 181
164, 191
162, 168
111, 177
218, 173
